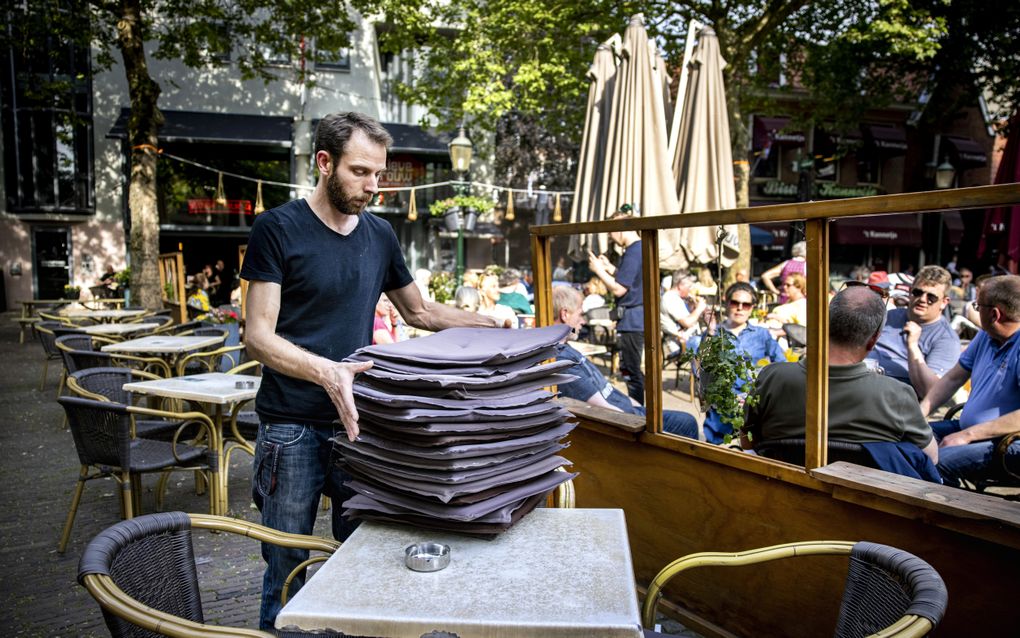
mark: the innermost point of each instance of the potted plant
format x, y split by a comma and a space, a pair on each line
461, 211
72, 292
442, 285
719, 369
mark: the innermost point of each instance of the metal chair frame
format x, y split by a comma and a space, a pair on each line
94, 572
925, 586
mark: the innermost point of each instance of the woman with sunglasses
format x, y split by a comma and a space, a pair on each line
754, 342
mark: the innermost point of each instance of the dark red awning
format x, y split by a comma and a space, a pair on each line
879, 230
968, 153
774, 129
890, 139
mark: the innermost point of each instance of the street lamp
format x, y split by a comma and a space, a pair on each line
944, 174
460, 159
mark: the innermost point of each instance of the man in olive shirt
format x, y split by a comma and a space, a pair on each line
864, 406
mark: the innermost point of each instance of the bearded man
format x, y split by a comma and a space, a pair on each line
316, 268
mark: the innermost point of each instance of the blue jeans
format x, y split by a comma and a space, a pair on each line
676, 422
294, 464
973, 461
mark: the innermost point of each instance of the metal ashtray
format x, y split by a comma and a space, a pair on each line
427, 556
244, 385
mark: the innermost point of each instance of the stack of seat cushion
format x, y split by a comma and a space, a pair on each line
458, 432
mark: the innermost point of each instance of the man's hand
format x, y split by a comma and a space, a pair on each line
956, 438
599, 264
913, 333
338, 381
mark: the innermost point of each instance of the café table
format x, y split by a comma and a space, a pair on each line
216, 390
119, 314
118, 328
28, 305
170, 347
587, 349
556, 573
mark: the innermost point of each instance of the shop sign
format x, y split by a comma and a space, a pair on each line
776, 188
835, 191
402, 171
210, 207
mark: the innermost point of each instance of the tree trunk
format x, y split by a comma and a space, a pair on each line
739, 135
142, 133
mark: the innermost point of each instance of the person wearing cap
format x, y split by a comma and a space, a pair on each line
992, 364
917, 345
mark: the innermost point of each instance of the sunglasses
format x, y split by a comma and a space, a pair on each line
743, 305
931, 297
978, 306
875, 288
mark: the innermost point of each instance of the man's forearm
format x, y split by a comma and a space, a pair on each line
943, 389
611, 283
437, 316
1006, 424
921, 376
287, 358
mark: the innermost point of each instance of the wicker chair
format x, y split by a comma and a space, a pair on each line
1002, 474
142, 573
223, 358
105, 442
107, 384
187, 328
671, 356
887, 590
46, 337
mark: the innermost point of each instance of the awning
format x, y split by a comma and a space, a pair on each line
879, 230
969, 154
760, 236
954, 226
195, 126
778, 233
772, 128
409, 138
890, 139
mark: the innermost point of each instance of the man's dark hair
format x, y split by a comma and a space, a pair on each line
1003, 292
855, 316
335, 130
737, 287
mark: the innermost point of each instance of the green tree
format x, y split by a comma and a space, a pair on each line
194, 32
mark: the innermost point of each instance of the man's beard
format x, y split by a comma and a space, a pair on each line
340, 200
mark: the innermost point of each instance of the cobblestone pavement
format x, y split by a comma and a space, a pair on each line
38, 470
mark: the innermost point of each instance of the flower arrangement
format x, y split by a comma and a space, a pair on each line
220, 315
481, 205
722, 368
71, 291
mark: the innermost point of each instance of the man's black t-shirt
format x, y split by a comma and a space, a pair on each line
330, 284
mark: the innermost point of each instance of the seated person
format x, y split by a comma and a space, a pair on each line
795, 309
864, 407
754, 342
992, 363
591, 386
198, 300
681, 310
467, 298
918, 345
509, 296
489, 294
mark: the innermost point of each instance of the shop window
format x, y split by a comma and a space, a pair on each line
47, 126
869, 169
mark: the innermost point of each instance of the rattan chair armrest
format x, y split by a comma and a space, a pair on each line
734, 559
263, 533
909, 626
72, 385
244, 367
303, 565
207, 358
149, 362
116, 601
1002, 449
188, 419
102, 339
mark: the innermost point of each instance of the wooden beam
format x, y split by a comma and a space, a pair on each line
653, 331
540, 267
816, 430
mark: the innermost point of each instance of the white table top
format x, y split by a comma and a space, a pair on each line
557, 573
165, 344
211, 387
101, 314
587, 349
118, 328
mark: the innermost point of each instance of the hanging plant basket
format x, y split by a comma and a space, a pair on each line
459, 218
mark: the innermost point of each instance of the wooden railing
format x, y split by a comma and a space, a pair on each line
817, 216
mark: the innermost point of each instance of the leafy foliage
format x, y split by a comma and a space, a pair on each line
442, 285
722, 369
481, 205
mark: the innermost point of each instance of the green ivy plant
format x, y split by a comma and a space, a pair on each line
123, 278
481, 205
721, 366
442, 285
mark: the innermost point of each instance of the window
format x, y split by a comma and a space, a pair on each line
47, 126
340, 62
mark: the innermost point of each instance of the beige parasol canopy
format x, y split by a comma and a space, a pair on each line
700, 149
587, 201
635, 167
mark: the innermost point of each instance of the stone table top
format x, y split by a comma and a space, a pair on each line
118, 328
167, 344
211, 387
101, 314
557, 573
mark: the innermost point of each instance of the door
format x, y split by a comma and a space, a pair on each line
52, 255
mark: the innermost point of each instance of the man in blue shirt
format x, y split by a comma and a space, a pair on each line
625, 283
992, 363
593, 388
918, 345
